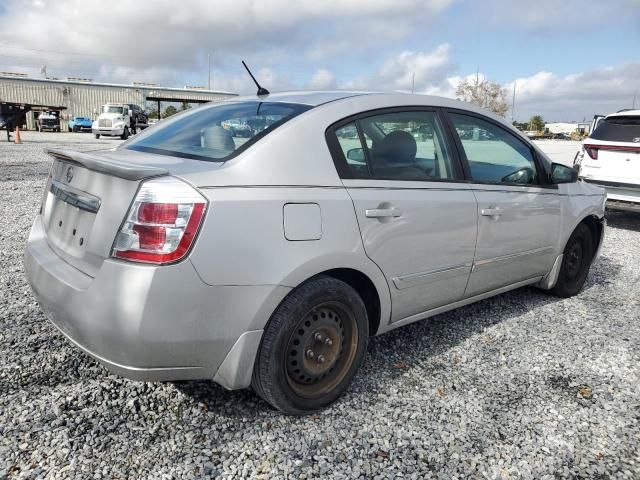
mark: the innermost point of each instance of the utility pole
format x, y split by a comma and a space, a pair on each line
633, 106
513, 101
209, 65
413, 82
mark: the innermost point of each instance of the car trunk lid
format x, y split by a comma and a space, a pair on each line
86, 199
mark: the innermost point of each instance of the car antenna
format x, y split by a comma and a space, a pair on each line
261, 90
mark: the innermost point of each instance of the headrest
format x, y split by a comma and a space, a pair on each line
397, 146
217, 138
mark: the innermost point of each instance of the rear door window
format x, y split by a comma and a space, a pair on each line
618, 129
216, 133
402, 145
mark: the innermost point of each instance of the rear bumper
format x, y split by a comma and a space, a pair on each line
152, 323
624, 192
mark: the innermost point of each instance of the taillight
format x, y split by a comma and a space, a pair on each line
162, 223
591, 151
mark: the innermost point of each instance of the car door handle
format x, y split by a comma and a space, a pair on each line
382, 212
492, 212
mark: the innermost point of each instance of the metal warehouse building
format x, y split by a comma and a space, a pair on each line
83, 97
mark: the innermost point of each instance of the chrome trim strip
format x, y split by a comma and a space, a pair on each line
511, 256
75, 197
422, 278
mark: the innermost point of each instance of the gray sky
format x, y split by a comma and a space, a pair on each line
569, 59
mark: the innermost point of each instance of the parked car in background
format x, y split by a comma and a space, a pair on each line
139, 119
188, 253
77, 124
610, 158
48, 121
595, 122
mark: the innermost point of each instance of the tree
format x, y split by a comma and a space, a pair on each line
153, 113
536, 123
170, 110
185, 106
485, 94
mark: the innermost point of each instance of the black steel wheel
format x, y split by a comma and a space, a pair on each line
312, 346
576, 262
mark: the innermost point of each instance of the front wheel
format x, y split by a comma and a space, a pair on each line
125, 134
312, 346
97, 136
578, 255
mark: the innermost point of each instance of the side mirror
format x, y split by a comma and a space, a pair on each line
563, 174
356, 154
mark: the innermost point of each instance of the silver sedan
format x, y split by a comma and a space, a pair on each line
261, 241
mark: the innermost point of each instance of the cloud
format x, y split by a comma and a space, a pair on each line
91, 33
418, 68
382, 45
576, 96
401, 72
323, 79
571, 97
548, 15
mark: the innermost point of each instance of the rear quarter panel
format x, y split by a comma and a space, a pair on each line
242, 241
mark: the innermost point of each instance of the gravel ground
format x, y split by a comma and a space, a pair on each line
524, 385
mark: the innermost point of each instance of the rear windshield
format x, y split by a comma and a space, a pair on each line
618, 129
218, 132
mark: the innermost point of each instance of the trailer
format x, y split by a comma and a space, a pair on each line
12, 113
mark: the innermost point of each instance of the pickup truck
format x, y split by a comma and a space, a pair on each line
48, 121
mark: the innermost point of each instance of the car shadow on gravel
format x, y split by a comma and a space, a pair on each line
624, 220
394, 353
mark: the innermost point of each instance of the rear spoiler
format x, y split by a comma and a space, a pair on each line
98, 163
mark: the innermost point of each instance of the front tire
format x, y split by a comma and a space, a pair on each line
312, 346
125, 134
578, 255
97, 136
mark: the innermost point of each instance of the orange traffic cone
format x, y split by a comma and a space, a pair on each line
17, 138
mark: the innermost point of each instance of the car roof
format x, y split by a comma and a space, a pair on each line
625, 113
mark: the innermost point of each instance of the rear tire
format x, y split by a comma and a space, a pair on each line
578, 255
312, 346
